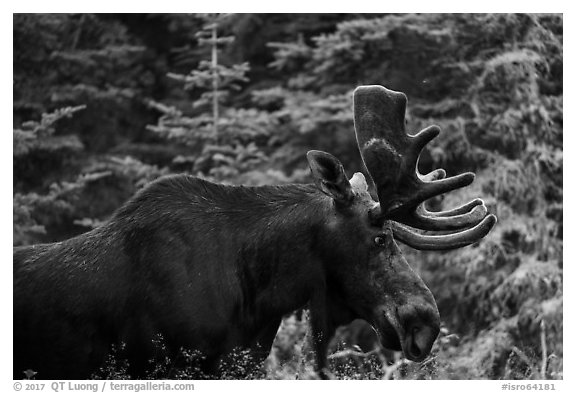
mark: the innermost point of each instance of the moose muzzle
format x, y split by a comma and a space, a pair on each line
417, 331
410, 327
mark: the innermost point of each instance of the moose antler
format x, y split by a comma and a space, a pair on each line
391, 157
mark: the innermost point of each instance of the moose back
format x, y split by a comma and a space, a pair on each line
213, 268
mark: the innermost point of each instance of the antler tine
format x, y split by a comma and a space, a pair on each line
391, 157
420, 140
443, 242
434, 175
423, 219
456, 211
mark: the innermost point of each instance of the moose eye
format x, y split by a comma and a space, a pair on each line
379, 240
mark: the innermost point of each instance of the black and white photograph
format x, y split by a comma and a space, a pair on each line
287, 196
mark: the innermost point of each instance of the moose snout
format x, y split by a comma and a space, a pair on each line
421, 327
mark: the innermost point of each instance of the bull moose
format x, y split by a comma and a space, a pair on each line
213, 267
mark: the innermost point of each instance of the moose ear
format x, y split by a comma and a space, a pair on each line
329, 176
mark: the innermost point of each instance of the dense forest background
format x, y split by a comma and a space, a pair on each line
104, 103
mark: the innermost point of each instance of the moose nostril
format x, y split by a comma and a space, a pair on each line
415, 349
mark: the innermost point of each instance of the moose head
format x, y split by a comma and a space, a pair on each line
367, 275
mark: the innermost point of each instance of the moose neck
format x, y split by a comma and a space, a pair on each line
278, 231
261, 237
